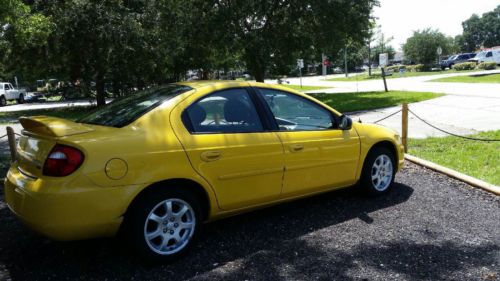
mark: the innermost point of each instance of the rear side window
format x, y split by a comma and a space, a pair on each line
124, 111
489, 54
228, 111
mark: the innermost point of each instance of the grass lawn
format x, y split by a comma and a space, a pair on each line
71, 113
489, 78
349, 102
474, 158
377, 75
304, 88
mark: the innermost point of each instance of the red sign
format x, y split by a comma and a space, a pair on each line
326, 62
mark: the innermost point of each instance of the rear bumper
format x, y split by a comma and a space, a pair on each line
61, 215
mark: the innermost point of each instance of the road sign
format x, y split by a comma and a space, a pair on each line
383, 59
326, 62
439, 51
300, 63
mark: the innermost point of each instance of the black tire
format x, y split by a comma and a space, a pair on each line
20, 100
136, 223
3, 101
377, 186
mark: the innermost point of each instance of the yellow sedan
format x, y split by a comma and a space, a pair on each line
157, 164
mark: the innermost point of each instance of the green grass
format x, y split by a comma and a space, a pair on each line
489, 78
377, 75
349, 102
474, 158
71, 113
304, 88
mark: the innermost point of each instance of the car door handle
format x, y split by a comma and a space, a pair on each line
296, 147
209, 156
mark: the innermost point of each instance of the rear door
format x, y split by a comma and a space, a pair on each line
318, 155
227, 143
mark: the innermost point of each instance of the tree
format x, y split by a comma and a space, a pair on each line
422, 45
273, 32
23, 37
481, 31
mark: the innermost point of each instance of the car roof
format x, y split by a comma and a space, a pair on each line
229, 83
211, 83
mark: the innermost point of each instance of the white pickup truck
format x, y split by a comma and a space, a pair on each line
8, 93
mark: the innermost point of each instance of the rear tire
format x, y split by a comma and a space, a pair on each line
20, 100
163, 224
378, 173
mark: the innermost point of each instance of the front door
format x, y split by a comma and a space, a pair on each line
318, 156
227, 144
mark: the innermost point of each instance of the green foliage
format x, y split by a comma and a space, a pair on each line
421, 47
131, 44
481, 31
415, 68
464, 66
487, 65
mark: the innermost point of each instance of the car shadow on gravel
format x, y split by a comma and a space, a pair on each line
267, 244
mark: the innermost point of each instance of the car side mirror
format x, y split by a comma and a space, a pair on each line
345, 123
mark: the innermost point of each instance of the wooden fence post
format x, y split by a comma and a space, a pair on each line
12, 143
404, 127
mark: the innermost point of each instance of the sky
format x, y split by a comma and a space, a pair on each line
399, 18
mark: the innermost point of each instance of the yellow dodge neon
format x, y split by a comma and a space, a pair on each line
157, 164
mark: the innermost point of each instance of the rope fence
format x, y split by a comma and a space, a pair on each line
405, 125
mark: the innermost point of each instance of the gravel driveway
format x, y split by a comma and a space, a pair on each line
429, 228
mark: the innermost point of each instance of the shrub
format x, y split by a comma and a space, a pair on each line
393, 68
487, 65
464, 66
415, 68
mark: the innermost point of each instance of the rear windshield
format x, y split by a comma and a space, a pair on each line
124, 111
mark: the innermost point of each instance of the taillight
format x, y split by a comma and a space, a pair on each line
62, 161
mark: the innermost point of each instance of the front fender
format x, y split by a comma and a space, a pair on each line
371, 135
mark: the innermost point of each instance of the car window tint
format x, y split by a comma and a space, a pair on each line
122, 112
228, 111
295, 113
489, 54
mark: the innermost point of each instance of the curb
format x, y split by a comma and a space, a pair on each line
454, 174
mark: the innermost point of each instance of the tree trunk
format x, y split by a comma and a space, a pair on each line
99, 85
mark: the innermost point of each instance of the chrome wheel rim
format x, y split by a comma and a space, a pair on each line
382, 171
169, 226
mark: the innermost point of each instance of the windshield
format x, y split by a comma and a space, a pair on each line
453, 57
123, 111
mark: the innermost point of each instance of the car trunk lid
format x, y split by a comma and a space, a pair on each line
40, 134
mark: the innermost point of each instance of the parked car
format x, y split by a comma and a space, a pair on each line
157, 164
8, 93
488, 55
448, 63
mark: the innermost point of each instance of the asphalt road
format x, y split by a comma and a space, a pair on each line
429, 228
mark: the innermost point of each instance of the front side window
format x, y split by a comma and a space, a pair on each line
489, 54
295, 113
124, 111
228, 111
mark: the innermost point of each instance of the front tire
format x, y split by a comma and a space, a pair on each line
164, 224
3, 101
378, 172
